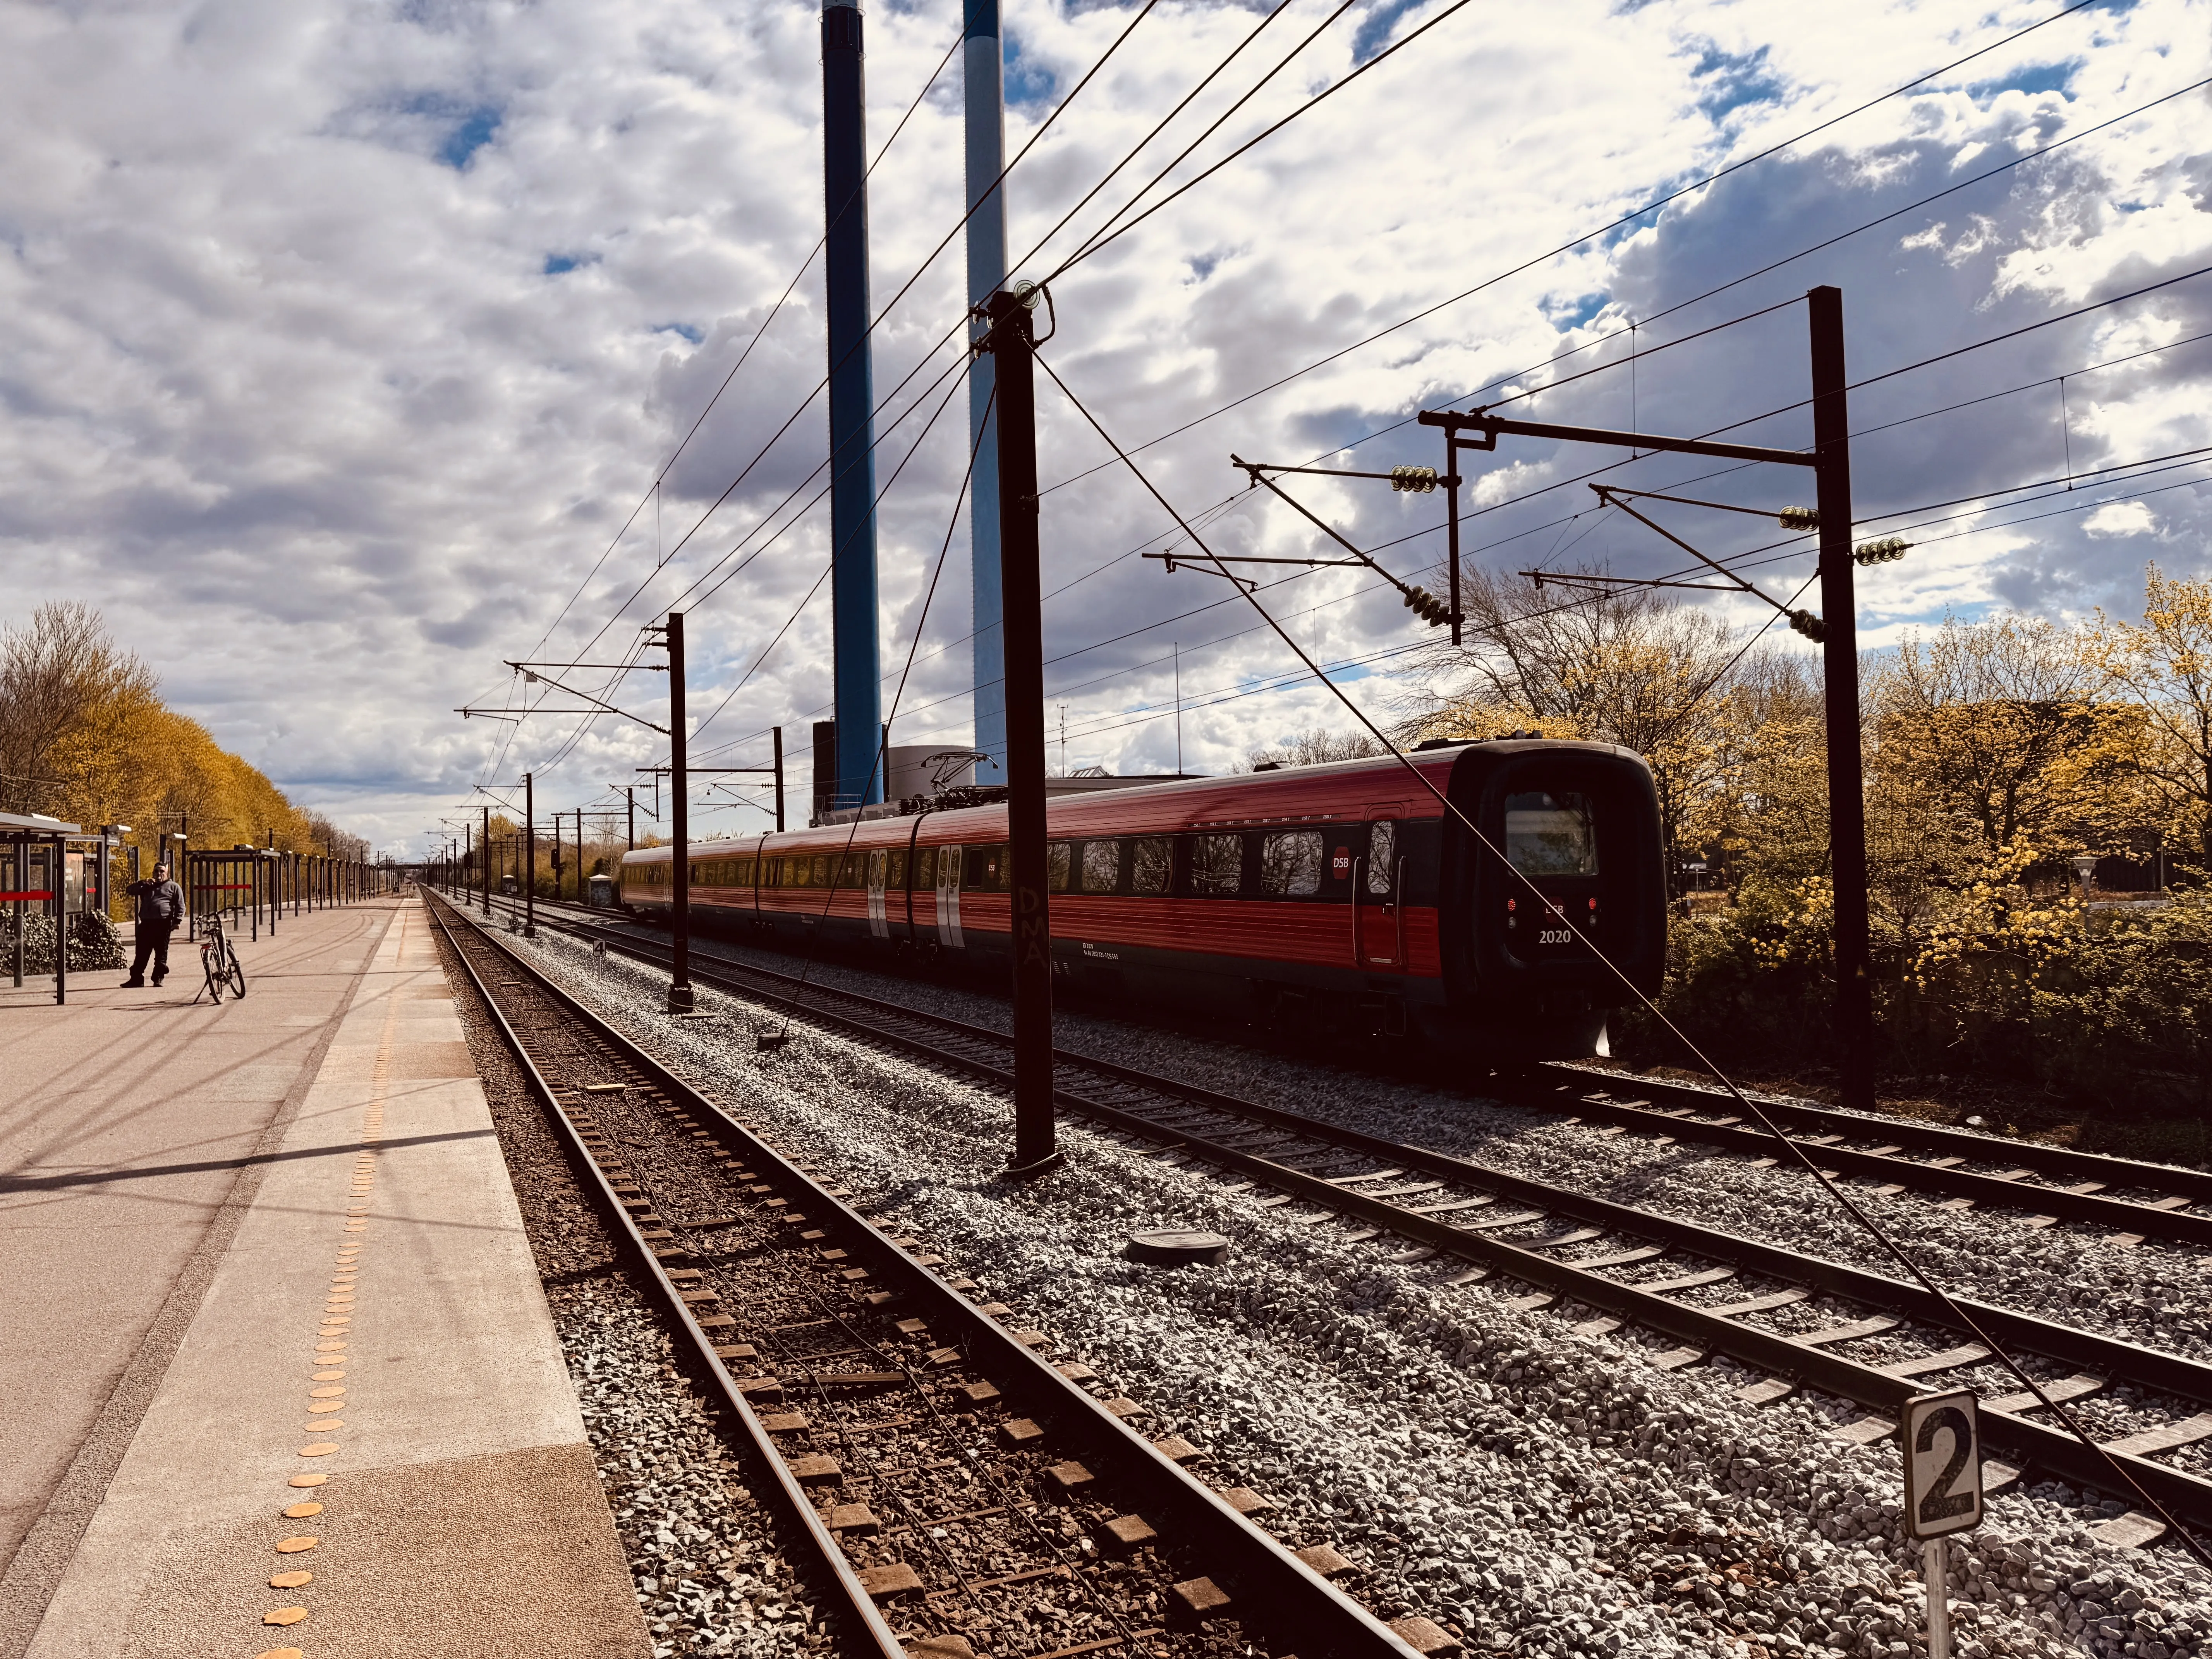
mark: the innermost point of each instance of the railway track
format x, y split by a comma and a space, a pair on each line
960, 1489
1799, 1320
2134, 1200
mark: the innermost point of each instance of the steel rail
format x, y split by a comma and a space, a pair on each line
858, 1605
2051, 1449
1269, 1583
1591, 1093
2102, 1167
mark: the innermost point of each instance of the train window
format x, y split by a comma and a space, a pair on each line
1290, 863
1551, 834
895, 872
1148, 865
744, 872
1102, 866
796, 870
925, 868
1217, 865
1381, 855
848, 870
823, 864
985, 870
1059, 864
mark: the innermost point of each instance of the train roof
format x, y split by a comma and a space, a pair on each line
1333, 790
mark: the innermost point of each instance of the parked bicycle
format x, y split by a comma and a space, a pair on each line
218, 961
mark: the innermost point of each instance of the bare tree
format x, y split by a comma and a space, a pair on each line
62, 676
1634, 668
1314, 747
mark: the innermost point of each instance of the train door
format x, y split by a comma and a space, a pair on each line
1379, 919
948, 897
879, 923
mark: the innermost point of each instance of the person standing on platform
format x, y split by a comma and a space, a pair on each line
160, 912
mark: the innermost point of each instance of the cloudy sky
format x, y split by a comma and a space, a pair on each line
341, 344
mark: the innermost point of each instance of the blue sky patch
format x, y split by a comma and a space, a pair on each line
1731, 82
689, 331
1026, 82
470, 134
1574, 313
2033, 79
559, 265
1375, 28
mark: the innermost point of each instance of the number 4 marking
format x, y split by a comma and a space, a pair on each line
1942, 1464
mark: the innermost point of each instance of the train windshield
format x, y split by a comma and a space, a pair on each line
1551, 834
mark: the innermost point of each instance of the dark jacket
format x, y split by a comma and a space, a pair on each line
160, 904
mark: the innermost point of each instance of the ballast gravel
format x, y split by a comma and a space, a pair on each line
710, 1577
2156, 1294
708, 1582
1534, 1490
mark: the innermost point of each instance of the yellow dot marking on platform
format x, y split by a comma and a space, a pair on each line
282, 1653
308, 1480
320, 1449
291, 1580
326, 1377
285, 1616
326, 1406
301, 1511
332, 1391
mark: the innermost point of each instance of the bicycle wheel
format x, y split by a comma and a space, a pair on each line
236, 974
209, 958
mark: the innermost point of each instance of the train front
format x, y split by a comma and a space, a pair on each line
1554, 904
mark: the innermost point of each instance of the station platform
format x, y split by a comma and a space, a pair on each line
267, 1313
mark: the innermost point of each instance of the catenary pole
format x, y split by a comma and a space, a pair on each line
1831, 474
984, 61
856, 667
680, 997
1011, 345
778, 733
529, 857
487, 863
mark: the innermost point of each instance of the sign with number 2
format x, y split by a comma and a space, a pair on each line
1942, 1465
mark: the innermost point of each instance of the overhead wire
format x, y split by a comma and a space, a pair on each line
930, 259
1747, 161
499, 759
1628, 218
661, 473
1751, 1108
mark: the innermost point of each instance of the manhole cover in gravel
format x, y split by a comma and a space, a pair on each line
1173, 1249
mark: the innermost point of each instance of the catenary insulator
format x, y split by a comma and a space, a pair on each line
1413, 480
1887, 548
1799, 518
1809, 625
1427, 606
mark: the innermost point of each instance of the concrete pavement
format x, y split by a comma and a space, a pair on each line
309, 1188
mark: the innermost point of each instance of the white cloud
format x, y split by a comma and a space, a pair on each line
336, 342
2120, 518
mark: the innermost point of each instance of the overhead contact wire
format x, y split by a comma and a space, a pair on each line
1752, 1108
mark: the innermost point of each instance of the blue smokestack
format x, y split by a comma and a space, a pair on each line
857, 668
987, 273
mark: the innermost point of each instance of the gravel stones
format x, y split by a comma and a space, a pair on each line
1527, 1488
710, 1576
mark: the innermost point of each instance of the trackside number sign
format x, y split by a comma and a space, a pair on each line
1942, 1465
